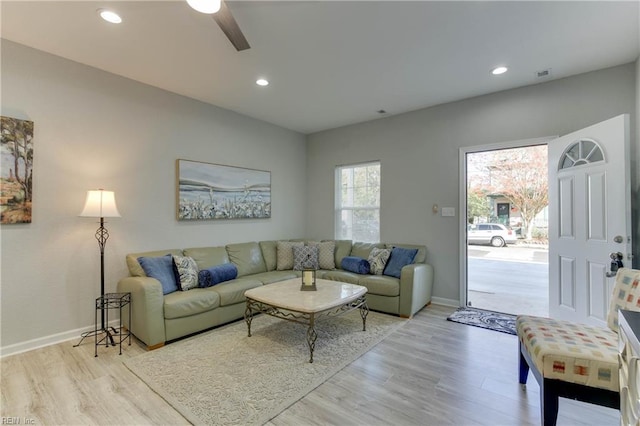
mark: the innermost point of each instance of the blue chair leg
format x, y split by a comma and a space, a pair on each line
523, 367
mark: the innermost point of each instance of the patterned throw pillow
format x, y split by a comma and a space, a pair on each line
186, 272
326, 254
284, 253
305, 257
378, 260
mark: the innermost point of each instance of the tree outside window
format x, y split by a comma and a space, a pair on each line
358, 202
518, 175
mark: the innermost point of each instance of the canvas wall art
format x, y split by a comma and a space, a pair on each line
214, 191
16, 170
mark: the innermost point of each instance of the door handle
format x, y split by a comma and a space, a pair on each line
616, 263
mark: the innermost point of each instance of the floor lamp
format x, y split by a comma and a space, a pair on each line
100, 203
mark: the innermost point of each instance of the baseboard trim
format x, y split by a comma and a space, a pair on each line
54, 339
445, 302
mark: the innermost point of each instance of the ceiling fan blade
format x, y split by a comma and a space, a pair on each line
230, 27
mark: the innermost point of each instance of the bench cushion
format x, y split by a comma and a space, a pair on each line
571, 352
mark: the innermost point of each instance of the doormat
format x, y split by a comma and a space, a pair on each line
504, 323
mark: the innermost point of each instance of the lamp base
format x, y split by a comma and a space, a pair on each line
305, 287
109, 331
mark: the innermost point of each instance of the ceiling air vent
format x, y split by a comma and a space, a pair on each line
544, 73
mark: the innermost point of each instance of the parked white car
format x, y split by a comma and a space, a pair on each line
495, 234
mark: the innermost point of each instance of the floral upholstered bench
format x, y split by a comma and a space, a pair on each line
576, 361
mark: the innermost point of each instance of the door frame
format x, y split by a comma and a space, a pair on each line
462, 202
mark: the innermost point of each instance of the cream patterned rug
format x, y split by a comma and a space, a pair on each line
223, 377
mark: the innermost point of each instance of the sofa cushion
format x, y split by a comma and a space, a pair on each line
342, 276
355, 264
400, 257
571, 352
160, 268
343, 248
186, 303
217, 274
186, 272
326, 253
269, 253
135, 270
285, 254
363, 249
247, 257
206, 257
232, 292
625, 295
273, 276
305, 257
421, 255
381, 285
378, 260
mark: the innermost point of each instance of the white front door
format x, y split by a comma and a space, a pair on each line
589, 218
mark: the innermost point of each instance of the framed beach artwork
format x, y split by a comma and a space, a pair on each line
213, 191
16, 170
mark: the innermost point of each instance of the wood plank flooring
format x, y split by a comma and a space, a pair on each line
429, 372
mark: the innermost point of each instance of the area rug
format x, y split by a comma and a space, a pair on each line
491, 320
223, 377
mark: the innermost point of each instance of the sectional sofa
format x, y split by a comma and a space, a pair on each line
158, 317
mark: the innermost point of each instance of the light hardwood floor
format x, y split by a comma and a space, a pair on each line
429, 372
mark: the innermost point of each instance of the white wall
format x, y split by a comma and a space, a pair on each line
94, 129
419, 155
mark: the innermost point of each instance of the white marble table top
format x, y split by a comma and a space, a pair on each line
287, 295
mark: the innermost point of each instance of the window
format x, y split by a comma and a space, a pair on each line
358, 202
584, 151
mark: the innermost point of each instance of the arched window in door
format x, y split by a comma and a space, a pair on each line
584, 151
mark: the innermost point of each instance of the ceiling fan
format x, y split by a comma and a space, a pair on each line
222, 15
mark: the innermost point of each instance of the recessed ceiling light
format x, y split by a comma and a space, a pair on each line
499, 70
262, 82
110, 16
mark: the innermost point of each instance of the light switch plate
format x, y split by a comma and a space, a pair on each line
448, 211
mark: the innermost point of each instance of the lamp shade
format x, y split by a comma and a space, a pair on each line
205, 6
100, 203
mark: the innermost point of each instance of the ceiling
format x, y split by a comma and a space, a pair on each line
333, 63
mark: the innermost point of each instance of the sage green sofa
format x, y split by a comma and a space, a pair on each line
158, 318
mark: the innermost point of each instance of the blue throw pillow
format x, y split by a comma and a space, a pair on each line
355, 264
160, 268
217, 274
400, 257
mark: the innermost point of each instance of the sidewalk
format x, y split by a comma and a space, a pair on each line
512, 279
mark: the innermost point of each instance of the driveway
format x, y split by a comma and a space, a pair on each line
512, 279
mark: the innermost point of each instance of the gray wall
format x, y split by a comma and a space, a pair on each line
97, 130
94, 129
419, 155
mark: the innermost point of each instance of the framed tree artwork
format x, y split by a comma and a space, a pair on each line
16, 171
214, 191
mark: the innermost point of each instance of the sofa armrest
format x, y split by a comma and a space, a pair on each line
147, 304
416, 285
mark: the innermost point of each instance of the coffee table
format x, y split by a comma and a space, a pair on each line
285, 300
